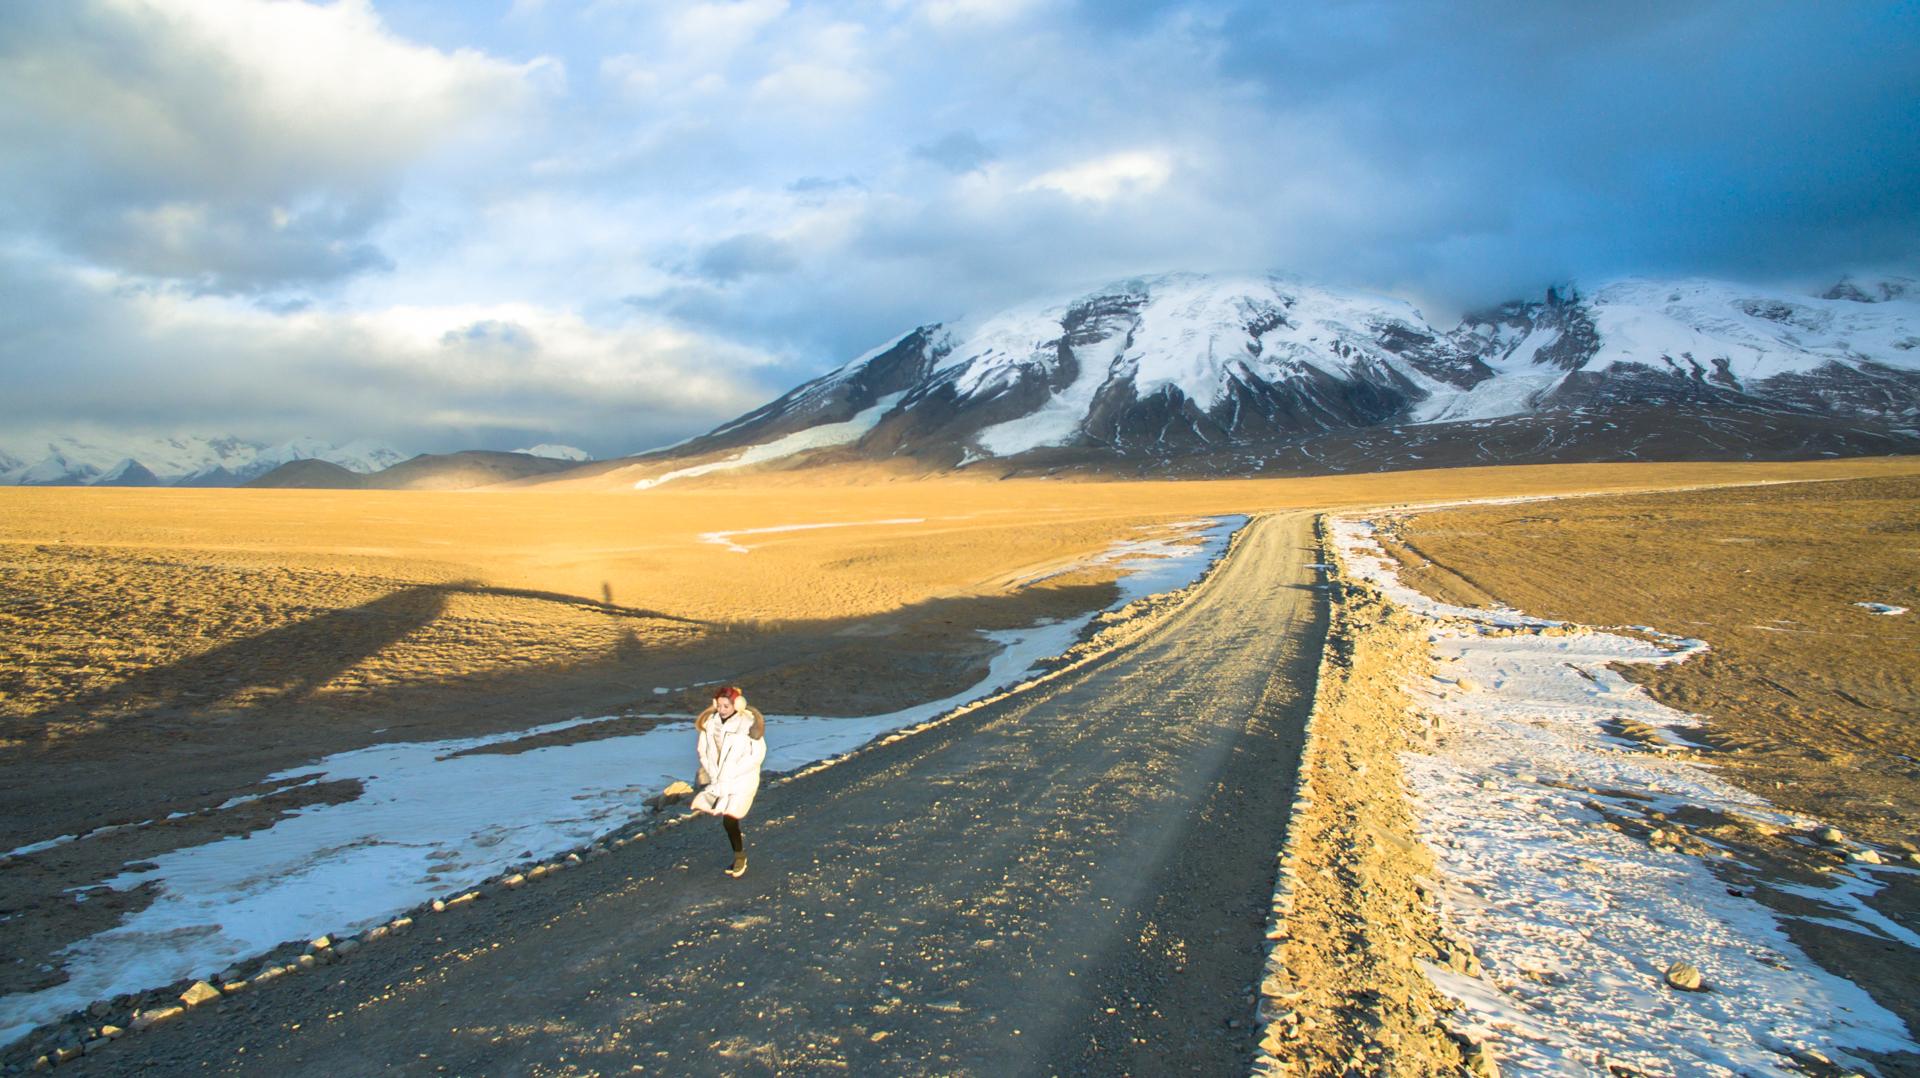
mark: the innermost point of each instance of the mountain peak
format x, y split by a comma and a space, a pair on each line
1236, 371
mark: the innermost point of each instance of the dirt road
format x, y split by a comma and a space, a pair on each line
1073, 880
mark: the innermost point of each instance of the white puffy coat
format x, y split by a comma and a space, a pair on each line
730, 758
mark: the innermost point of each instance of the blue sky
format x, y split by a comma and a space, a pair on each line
614, 223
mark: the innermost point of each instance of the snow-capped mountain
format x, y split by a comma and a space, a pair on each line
556, 452
1230, 373
184, 460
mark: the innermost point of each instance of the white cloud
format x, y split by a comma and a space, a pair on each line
1103, 179
140, 353
946, 12
150, 134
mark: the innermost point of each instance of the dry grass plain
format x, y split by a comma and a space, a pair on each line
163, 650
1814, 700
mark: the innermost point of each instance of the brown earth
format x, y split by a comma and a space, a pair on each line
1344, 992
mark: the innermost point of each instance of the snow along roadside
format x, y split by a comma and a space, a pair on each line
1519, 775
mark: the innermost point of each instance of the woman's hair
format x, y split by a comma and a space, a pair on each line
731, 692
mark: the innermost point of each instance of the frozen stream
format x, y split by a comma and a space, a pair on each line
432, 821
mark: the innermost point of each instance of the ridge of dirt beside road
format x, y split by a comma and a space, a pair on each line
1131, 627
1343, 989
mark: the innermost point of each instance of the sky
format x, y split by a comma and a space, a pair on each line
617, 223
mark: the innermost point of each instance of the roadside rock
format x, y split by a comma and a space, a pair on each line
1686, 977
201, 993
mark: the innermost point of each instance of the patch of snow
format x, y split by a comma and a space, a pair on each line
436, 819
1575, 923
1060, 418
725, 538
820, 437
1883, 608
556, 452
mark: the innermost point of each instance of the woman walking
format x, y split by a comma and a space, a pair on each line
731, 740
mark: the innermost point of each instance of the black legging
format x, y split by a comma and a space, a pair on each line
732, 824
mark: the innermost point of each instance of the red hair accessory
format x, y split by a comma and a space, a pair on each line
731, 692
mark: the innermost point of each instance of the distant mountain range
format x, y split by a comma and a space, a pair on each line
191, 461
1195, 374
1199, 374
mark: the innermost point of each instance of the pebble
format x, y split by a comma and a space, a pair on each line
1832, 836
322, 943
1869, 857
515, 880
1686, 977
112, 1033
149, 1018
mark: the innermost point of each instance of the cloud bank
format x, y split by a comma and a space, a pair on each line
616, 224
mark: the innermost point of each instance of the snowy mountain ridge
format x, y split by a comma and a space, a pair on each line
190, 460
1247, 368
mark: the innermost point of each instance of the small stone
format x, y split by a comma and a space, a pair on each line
1467, 684
1867, 856
536, 872
306, 961
515, 880
95, 1044
199, 994
401, 924
1913, 858
1686, 977
439, 906
376, 932
322, 943
43, 1063
232, 987
67, 1054
100, 1008
346, 947
677, 790
112, 1033
878, 1035
147, 1019
231, 973
573, 859
271, 973
1830, 835
1479, 1060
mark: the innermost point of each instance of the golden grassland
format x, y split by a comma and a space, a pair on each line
163, 650
1818, 699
